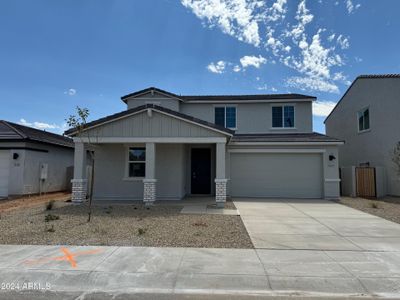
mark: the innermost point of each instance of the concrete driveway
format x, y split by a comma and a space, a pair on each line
315, 225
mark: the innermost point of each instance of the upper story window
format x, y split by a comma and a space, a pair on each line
137, 162
363, 119
283, 116
226, 116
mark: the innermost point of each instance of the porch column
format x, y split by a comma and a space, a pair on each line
220, 180
149, 189
79, 182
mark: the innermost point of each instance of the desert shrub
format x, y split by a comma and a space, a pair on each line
50, 205
141, 231
50, 217
374, 205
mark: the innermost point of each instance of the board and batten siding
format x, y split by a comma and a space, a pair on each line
156, 99
156, 125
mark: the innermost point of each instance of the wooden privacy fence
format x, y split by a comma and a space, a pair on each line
366, 182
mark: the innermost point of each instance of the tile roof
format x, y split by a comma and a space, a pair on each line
157, 108
15, 132
194, 98
284, 137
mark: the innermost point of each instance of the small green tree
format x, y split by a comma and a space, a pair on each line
78, 122
396, 157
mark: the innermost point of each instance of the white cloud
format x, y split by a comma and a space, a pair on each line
358, 59
351, 8
322, 108
44, 126
236, 68
343, 42
70, 92
277, 11
218, 67
314, 84
254, 61
237, 18
313, 53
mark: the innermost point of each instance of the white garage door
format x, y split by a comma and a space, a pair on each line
4, 172
292, 175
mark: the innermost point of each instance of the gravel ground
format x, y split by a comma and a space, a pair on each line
387, 208
122, 225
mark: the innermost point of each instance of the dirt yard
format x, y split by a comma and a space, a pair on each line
31, 201
387, 208
122, 225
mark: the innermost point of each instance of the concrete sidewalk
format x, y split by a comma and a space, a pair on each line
191, 271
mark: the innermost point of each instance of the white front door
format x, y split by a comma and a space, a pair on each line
4, 172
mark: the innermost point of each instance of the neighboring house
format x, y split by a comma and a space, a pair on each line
168, 146
33, 161
367, 118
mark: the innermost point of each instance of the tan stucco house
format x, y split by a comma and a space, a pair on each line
166, 146
367, 118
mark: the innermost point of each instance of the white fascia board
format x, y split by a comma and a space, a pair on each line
286, 150
285, 143
137, 140
227, 102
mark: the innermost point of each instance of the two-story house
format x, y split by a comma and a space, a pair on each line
169, 146
367, 118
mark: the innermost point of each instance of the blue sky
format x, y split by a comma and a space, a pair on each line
55, 55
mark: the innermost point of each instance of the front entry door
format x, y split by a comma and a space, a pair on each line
201, 171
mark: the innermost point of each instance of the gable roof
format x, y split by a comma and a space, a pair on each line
15, 132
370, 76
222, 98
160, 109
284, 137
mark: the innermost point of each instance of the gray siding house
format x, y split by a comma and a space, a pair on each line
367, 118
168, 146
33, 161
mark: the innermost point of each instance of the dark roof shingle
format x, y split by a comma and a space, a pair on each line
224, 98
17, 132
284, 137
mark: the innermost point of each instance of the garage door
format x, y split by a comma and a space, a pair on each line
292, 175
4, 172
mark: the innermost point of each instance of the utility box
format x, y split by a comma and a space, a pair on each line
43, 171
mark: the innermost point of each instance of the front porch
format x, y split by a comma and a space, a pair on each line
151, 169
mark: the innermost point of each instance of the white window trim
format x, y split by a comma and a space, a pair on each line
358, 125
283, 118
127, 162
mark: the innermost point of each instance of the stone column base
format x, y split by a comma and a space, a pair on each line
149, 191
79, 188
220, 192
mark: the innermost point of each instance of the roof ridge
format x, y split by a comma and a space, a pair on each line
387, 75
186, 97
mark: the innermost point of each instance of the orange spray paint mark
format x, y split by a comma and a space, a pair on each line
68, 256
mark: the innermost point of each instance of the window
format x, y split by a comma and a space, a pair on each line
363, 119
137, 162
225, 116
283, 116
